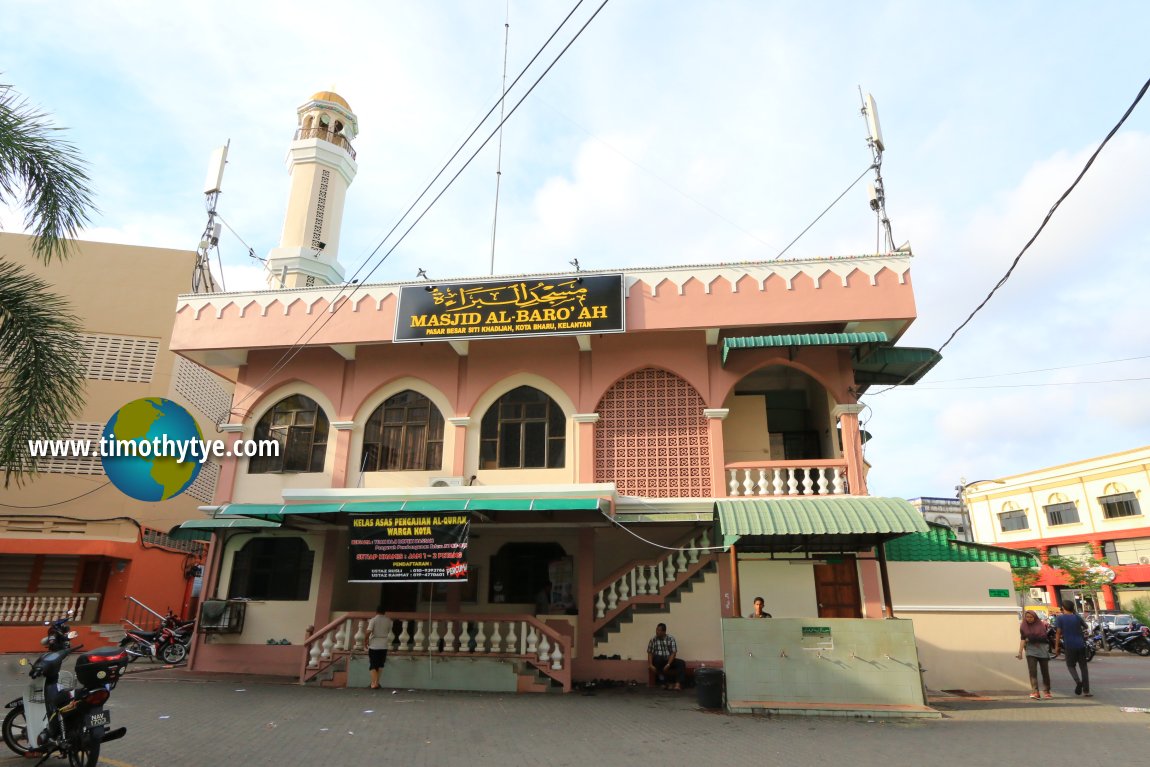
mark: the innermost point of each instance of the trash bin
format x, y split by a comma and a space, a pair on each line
709, 687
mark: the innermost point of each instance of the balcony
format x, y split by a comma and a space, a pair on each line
323, 134
787, 478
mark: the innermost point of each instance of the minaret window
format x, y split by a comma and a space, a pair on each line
405, 433
300, 427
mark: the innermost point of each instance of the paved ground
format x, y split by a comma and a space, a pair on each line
177, 719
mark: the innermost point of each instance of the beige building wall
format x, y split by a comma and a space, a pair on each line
967, 639
787, 589
694, 622
1082, 482
123, 297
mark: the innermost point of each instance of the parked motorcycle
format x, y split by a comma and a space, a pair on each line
1091, 648
161, 644
55, 718
60, 634
183, 630
1137, 642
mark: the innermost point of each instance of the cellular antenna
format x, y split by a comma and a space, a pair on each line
202, 281
875, 191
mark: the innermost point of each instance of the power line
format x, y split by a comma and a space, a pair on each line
844, 192
58, 503
1045, 221
1030, 385
1041, 370
297, 346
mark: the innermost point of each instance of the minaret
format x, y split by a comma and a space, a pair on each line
322, 166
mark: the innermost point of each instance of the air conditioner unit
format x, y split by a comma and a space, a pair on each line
447, 482
1038, 594
1144, 560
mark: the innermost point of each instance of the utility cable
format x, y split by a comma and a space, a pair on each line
1045, 221
1030, 385
298, 347
60, 503
295, 348
499, 155
819, 216
1041, 370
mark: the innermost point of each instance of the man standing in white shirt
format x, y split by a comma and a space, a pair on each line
377, 630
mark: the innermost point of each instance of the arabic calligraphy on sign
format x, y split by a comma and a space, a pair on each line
561, 306
517, 294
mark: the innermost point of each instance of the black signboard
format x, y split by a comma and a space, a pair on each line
565, 305
417, 547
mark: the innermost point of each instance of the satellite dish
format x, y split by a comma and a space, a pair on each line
872, 124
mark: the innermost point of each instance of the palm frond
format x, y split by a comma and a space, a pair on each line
41, 368
43, 175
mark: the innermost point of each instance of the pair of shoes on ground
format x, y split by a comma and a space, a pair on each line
672, 687
1035, 696
374, 687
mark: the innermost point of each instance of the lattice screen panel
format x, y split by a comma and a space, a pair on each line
652, 439
203, 390
73, 464
203, 489
127, 359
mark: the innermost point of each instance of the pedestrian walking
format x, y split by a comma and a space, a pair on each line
1069, 635
1034, 645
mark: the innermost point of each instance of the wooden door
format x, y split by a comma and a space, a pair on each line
837, 589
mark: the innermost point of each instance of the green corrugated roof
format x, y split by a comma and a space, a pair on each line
215, 524
903, 365
824, 516
938, 544
803, 339
280, 511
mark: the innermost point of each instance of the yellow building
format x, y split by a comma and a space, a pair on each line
68, 538
1087, 508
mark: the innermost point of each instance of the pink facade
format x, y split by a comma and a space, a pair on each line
653, 418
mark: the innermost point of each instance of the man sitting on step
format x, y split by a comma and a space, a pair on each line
661, 652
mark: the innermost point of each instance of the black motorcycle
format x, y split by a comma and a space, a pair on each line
52, 718
1136, 642
1091, 649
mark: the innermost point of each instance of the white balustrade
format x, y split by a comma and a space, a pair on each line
418, 640
544, 650
328, 645
600, 604
480, 639
786, 480
434, 638
532, 640
360, 634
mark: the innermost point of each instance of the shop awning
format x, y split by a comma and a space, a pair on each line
895, 365
226, 522
802, 339
823, 523
279, 512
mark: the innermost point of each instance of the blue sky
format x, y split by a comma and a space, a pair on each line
673, 133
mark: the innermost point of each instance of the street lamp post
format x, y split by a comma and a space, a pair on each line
960, 492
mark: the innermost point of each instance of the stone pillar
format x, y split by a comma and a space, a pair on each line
584, 647
339, 470
584, 452
848, 419
459, 454
715, 417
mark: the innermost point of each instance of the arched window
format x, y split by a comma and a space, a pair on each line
299, 425
405, 433
272, 569
523, 429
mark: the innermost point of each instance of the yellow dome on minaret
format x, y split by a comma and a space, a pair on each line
333, 97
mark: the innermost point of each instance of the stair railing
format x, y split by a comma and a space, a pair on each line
502, 635
650, 581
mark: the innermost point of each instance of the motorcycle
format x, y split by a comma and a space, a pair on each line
163, 644
182, 630
60, 635
55, 718
1137, 642
1091, 648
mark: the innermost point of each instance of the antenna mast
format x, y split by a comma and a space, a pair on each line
875, 190
502, 106
202, 281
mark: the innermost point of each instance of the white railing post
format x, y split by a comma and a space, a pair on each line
419, 637
556, 658
404, 638
748, 485
496, 641
512, 642
532, 639
837, 482
360, 634
480, 639
449, 637
807, 483
600, 604
762, 485
433, 642
823, 484
313, 655
792, 482
733, 482
778, 482
544, 649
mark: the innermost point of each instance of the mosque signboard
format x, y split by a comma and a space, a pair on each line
563, 305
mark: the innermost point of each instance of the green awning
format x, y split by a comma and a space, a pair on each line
229, 522
895, 365
823, 522
280, 511
940, 544
803, 339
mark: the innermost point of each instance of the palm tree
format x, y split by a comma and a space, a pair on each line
41, 376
